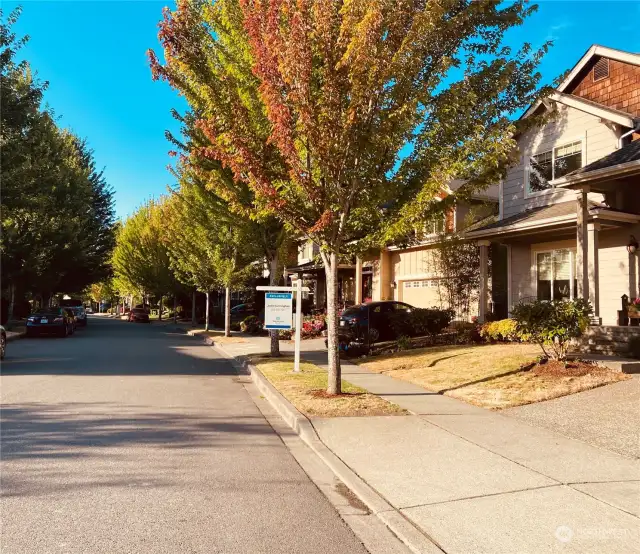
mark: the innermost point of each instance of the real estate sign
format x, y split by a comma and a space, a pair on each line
278, 309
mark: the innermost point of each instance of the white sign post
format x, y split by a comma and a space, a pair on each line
277, 312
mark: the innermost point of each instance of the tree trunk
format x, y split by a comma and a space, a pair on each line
160, 310
12, 302
273, 281
227, 312
194, 320
331, 272
175, 308
206, 315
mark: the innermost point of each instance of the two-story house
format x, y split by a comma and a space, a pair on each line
570, 210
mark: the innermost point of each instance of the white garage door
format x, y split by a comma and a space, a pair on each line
421, 294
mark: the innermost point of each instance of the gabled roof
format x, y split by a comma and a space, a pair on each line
560, 96
597, 50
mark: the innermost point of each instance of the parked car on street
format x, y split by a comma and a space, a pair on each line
140, 315
372, 318
3, 342
81, 315
89, 310
47, 321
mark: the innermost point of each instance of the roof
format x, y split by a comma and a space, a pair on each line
561, 209
626, 154
595, 51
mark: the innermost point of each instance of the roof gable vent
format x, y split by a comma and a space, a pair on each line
601, 69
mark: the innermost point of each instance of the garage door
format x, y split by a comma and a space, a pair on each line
421, 294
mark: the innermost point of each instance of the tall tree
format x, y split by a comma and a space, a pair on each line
208, 60
140, 256
373, 107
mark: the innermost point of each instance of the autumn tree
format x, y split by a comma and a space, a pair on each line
373, 107
207, 59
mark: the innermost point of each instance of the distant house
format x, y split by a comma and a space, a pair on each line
569, 212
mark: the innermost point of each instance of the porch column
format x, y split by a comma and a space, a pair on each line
594, 271
483, 301
358, 296
582, 244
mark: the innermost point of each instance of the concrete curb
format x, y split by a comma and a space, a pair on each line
15, 336
410, 535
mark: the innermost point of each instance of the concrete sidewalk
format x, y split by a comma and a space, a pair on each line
475, 481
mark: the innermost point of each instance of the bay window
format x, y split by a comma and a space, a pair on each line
556, 275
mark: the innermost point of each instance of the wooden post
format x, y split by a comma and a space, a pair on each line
484, 280
582, 244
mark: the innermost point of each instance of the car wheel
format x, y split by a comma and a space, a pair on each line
3, 346
374, 334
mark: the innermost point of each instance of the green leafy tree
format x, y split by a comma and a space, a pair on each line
208, 60
140, 257
372, 108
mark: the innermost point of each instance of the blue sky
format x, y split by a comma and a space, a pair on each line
93, 55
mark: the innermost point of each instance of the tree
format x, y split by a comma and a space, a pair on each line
57, 210
140, 257
373, 107
208, 244
207, 59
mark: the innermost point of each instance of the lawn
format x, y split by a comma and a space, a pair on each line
306, 391
491, 376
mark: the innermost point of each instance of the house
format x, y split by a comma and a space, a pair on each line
569, 212
403, 273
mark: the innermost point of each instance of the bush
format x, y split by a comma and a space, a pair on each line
312, 326
285, 334
553, 324
420, 322
503, 330
251, 324
468, 333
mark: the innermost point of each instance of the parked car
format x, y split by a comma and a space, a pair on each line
59, 321
81, 315
3, 342
241, 311
88, 310
372, 317
139, 314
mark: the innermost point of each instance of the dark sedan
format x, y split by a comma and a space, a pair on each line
139, 314
374, 318
51, 321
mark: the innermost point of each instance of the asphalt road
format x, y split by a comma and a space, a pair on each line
131, 438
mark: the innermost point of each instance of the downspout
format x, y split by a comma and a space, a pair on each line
636, 129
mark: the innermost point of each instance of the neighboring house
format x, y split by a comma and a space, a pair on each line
408, 274
396, 273
570, 210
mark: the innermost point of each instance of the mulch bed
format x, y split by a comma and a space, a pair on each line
573, 368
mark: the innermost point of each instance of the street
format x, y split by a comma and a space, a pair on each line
133, 438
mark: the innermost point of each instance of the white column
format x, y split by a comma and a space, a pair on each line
484, 280
582, 244
509, 285
594, 270
358, 296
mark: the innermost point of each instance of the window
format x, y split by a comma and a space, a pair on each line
306, 251
553, 164
556, 275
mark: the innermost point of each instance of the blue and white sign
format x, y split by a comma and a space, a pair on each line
278, 310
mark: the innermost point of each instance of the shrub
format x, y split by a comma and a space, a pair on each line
312, 326
285, 334
420, 322
251, 324
467, 333
503, 330
404, 343
553, 324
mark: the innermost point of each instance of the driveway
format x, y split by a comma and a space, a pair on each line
130, 438
608, 417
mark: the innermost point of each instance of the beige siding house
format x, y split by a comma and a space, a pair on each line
570, 210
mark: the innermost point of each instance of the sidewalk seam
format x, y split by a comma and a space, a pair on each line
413, 537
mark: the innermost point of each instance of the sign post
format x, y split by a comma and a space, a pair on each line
278, 312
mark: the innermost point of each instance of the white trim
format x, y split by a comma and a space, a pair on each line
416, 277
509, 284
618, 170
552, 184
595, 50
602, 111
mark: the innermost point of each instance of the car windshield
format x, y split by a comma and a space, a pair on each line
138, 311
47, 311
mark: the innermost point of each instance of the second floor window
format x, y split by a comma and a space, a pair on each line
553, 164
